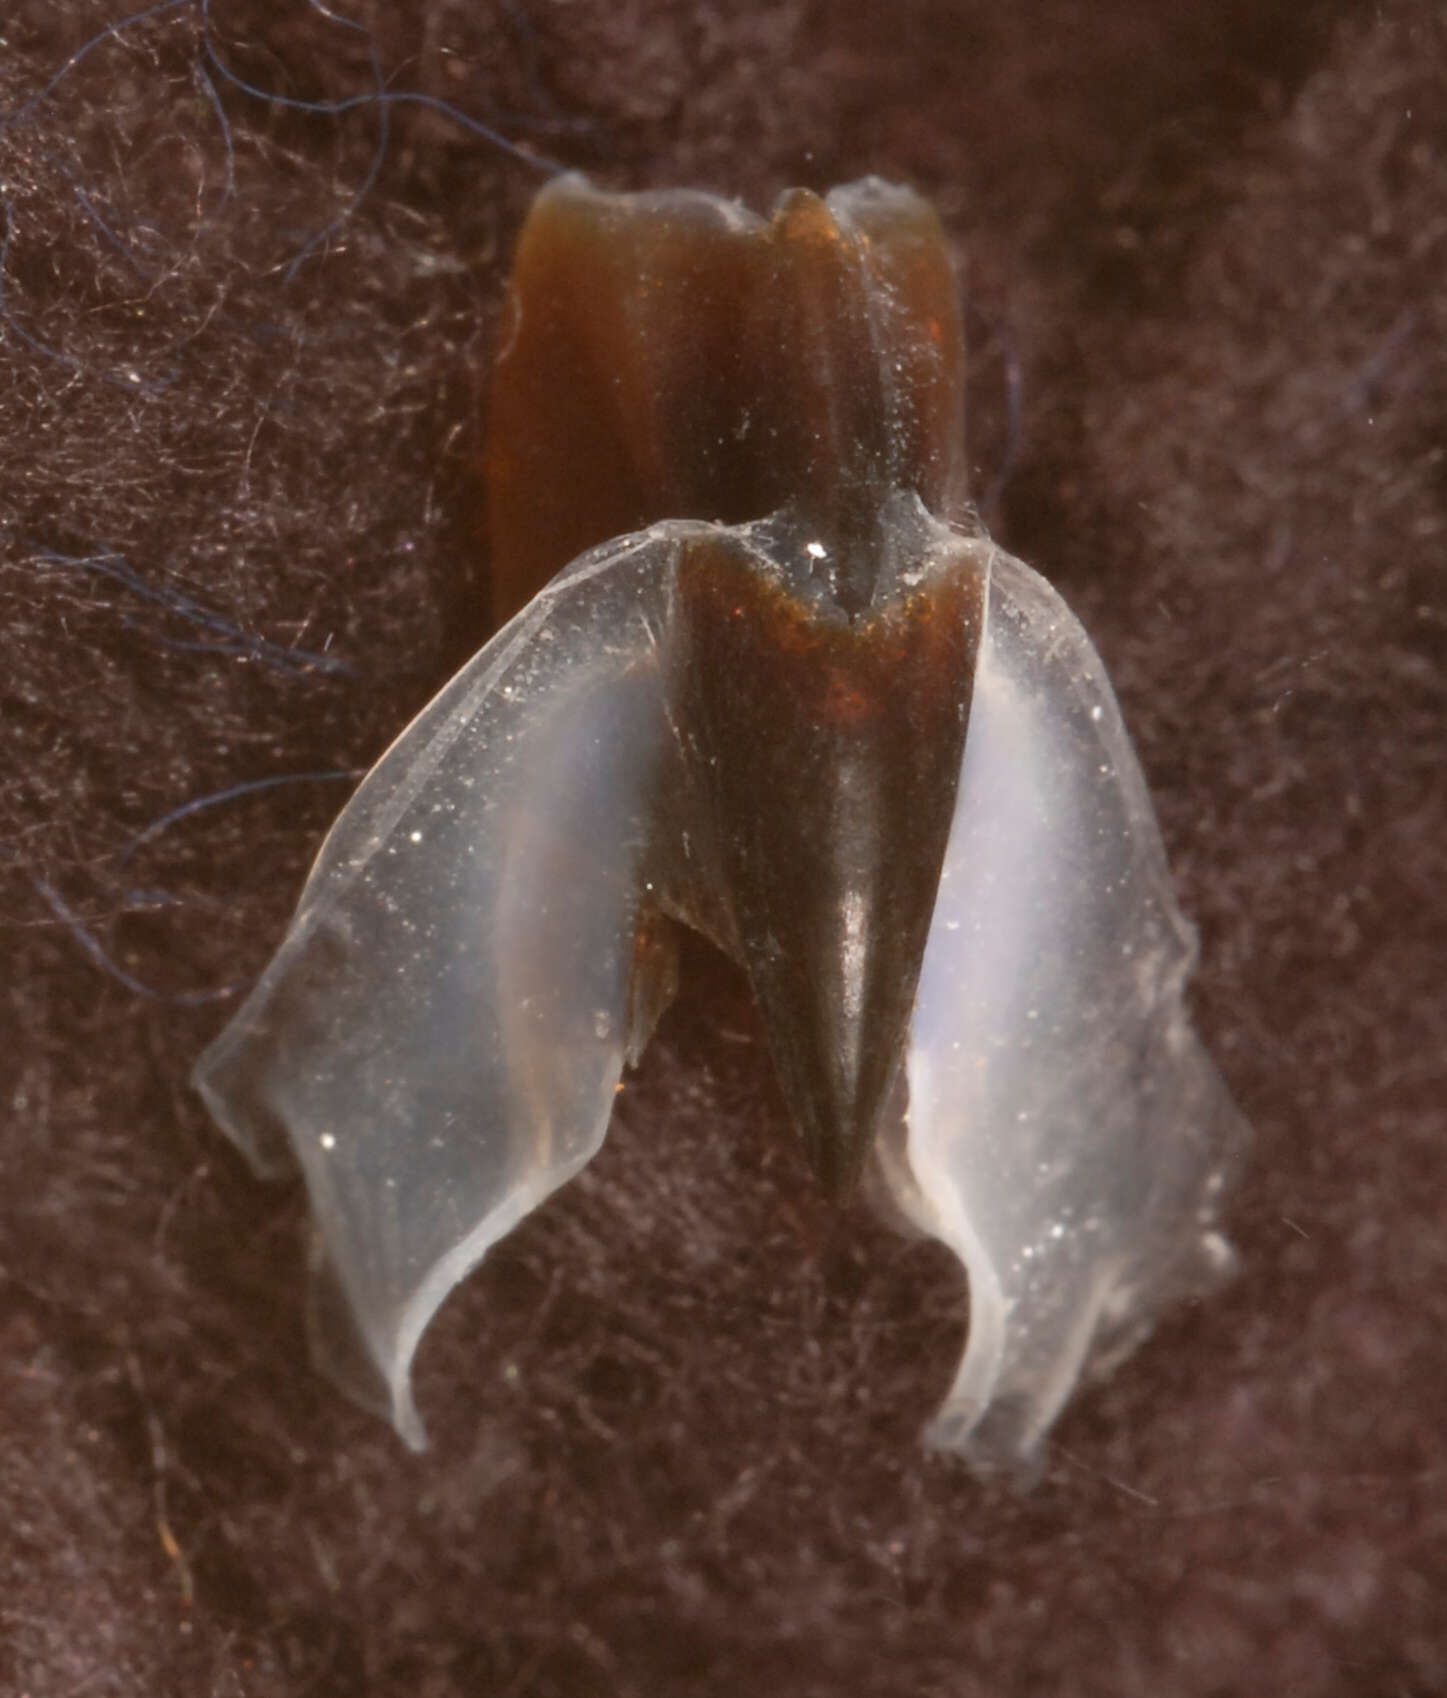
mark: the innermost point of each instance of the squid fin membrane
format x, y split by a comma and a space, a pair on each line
482, 946
1067, 1135
439, 1038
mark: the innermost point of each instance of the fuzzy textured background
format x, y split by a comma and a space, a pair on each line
243, 342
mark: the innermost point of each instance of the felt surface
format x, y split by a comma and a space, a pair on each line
674, 1417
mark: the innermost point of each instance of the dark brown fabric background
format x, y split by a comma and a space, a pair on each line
674, 1417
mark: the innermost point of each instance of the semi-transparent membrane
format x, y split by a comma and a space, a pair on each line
439, 1039
1068, 1136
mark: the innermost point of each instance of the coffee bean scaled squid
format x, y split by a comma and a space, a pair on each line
762, 674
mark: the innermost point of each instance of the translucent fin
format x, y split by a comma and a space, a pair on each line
440, 1036
1067, 1135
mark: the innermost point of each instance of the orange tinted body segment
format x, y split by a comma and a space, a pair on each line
674, 356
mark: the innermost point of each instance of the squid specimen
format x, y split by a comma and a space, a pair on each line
779, 686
